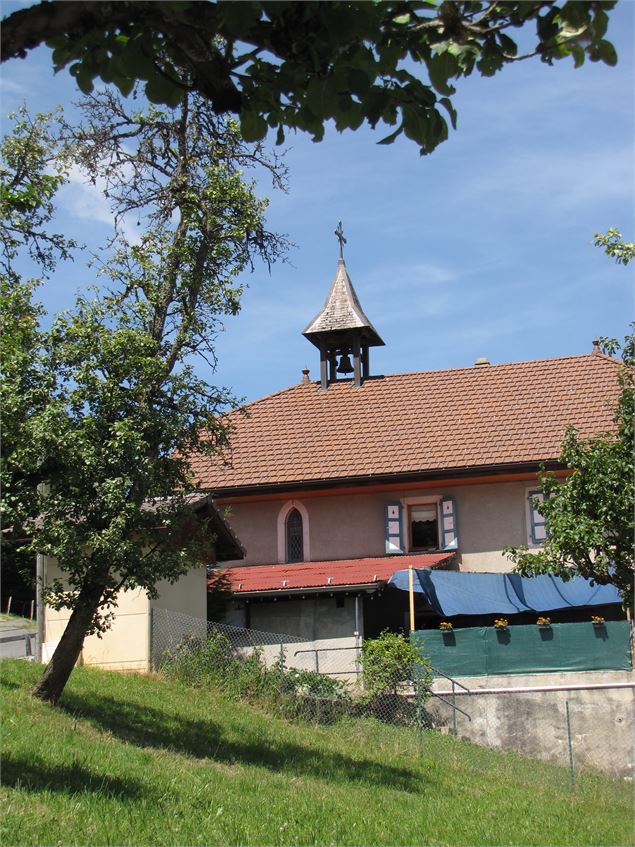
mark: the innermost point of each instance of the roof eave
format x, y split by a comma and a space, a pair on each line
368, 335
313, 589
226, 543
379, 479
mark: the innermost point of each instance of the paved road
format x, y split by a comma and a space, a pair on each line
18, 632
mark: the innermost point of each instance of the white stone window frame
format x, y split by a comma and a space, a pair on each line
424, 500
282, 530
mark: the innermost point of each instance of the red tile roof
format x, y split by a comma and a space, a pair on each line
281, 578
432, 421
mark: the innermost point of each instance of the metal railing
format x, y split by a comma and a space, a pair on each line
452, 702
29, 644
318, 650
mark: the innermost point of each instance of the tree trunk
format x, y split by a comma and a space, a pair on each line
59, 669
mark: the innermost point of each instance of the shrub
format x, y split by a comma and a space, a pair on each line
391, 659
316, 684
215, 663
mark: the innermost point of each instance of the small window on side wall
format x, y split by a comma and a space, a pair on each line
295, 545
537, 525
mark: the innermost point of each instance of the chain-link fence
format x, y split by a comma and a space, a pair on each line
577, 726
317, 680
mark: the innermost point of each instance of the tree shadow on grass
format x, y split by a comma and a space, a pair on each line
151, 726
35, 774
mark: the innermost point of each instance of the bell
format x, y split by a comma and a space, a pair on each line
344, 366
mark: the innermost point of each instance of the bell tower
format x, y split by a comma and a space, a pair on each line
341, 331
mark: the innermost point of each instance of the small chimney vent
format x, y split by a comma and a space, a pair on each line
305, 374
482, 360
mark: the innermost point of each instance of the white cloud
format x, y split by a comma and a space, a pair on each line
86, 201
10, 86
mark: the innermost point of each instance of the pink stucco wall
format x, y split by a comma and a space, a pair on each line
490, 517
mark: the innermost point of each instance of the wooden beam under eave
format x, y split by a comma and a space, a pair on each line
289, 494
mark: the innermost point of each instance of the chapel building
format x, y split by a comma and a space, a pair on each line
335, 484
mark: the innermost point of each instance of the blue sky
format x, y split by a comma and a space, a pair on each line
483, 248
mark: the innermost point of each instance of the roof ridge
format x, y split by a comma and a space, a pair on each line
485, 368
600, 355
470, 368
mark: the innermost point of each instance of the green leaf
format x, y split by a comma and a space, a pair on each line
578, 54
83, 77
160, 90
375, 103
441, 67
575, 14
253, 126
607, 53
240, 18
491, 60
401, 20
135, 62
358, 81
508, 44
600, 23
393, 135
319, 99
389, 55
124, 84
447, 105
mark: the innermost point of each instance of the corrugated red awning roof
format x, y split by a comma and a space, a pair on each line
339, 572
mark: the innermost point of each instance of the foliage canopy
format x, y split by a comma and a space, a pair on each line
296, 65
590, 516
116, 407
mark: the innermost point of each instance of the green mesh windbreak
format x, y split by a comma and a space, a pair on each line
485, 651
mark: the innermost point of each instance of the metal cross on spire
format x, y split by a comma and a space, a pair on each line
339, 232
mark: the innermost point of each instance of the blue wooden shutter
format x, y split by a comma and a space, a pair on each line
449, 531
394, 528
538, 525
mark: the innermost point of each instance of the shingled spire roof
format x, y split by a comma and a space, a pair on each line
342, 311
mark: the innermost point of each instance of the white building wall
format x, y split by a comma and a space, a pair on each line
126, 645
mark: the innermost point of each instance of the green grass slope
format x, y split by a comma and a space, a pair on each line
134, 760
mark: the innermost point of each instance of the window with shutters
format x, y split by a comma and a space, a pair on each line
295, 536
423, 523
414, 525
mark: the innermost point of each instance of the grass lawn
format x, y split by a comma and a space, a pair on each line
135, 760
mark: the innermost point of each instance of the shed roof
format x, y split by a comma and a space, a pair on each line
227, 546
315, 575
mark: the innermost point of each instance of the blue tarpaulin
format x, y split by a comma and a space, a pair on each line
462, 593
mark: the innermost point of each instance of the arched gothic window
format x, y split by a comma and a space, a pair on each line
295, 546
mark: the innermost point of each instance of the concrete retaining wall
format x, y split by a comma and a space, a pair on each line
535, 724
